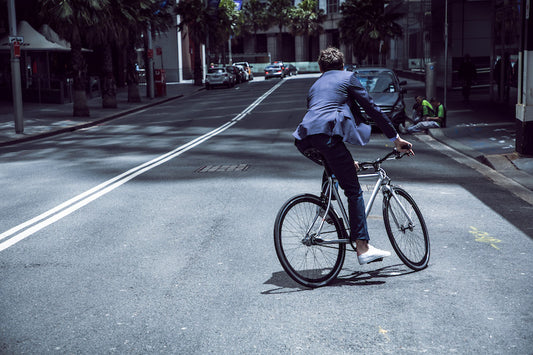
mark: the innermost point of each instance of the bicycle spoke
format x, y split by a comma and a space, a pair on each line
298, 234
406, 229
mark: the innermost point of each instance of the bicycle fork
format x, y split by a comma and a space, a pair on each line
410, 223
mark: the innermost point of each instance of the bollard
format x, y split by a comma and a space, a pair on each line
431, 80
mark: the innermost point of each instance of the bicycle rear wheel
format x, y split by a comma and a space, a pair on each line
409, 240
299, 247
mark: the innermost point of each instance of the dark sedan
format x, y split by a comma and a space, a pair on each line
386, 90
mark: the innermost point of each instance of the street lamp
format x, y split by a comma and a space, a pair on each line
15, 69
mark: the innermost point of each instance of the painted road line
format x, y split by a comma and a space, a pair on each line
24, 230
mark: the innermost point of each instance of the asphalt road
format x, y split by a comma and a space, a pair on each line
153, 234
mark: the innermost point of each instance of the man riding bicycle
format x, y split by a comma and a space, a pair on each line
328, 123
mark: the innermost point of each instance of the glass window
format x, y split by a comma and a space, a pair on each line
333, 6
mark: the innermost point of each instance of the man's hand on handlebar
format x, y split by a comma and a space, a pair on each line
403, 146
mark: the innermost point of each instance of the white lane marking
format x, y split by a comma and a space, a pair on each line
55, 214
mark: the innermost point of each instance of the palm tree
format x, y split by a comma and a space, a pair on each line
225, 25
132, 17
195, 20
366, 26
279, 14
71, 18
254, 19
306, 20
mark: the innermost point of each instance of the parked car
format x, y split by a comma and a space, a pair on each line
274, 71
219, 76
237, 76
248, 68
386, 90
242, 73
349, 67
290, 69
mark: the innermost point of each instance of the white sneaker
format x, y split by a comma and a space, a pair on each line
372, 254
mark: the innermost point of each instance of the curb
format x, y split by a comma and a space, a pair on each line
88, 124
502, 163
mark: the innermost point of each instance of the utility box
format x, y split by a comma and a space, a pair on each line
160, 83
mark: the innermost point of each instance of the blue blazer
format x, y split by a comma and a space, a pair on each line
328, 108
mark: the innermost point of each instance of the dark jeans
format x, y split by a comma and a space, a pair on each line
339, 160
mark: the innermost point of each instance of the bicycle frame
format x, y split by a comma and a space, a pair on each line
382, 184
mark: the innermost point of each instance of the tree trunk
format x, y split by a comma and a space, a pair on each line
132, 76
80, 107
109, 87
198, 71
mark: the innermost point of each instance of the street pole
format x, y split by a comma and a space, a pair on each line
150, 84
15, 70
524, 107
445, 54
229, 48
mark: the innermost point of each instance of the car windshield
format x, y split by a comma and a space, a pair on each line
378, 82
215, 71
273, 67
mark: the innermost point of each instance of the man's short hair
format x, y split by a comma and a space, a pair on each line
331, 58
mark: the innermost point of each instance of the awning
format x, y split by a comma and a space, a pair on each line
33, 40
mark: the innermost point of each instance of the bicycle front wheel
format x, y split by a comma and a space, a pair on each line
406, 229
299, 241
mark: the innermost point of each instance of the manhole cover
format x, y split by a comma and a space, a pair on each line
219, 168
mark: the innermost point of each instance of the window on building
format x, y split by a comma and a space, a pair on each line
333, 6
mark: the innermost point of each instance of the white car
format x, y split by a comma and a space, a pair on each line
219, 76
248, 68
244, 72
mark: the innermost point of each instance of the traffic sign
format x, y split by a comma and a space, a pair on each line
18, 39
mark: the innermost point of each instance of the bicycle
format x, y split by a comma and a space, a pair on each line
310, 237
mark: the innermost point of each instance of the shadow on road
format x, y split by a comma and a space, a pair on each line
357, 278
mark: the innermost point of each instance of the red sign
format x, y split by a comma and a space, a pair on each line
16, 49
159, 51
150, 53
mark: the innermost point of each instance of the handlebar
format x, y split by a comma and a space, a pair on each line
377, 163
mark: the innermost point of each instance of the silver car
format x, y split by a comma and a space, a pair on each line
219, 76
274, 71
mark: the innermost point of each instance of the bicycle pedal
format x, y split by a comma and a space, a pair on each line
375, 261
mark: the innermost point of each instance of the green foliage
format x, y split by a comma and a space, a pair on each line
366, 23
279, 12
194, 19
254, 17
307, 18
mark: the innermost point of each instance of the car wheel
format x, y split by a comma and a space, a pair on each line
207, 86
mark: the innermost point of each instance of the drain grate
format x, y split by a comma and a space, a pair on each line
224, 168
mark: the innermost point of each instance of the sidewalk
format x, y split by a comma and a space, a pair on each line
481, 129
42, 120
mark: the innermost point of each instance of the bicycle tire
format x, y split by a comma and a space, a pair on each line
312, 265
410, 242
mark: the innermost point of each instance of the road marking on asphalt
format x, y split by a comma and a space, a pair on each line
498, 178
24, 230
484, 237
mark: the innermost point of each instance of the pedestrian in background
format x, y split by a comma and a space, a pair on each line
467, 73
433, 116
503, 76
